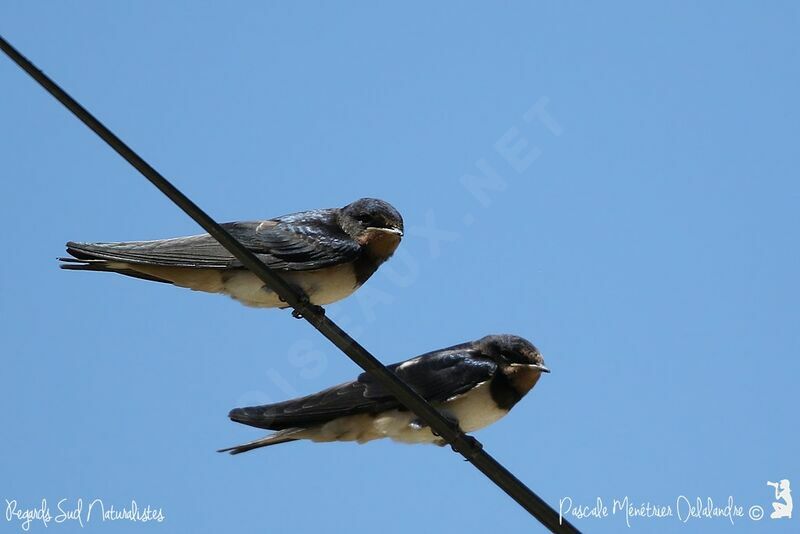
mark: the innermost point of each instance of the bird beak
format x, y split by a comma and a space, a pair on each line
395, 231
540, 368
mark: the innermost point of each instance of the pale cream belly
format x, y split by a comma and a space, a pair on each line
474, 410
323, 286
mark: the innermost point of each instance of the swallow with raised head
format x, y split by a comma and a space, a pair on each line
472, 384
326, 253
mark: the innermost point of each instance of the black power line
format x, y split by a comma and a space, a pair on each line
466, 445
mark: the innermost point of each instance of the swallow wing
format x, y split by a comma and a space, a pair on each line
298, 242
436, 376
332, 403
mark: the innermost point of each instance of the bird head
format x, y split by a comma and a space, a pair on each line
512, 351
370, 216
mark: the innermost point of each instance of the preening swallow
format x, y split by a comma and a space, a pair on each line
328, 253
473, 384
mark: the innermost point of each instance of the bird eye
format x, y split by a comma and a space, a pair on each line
512, 357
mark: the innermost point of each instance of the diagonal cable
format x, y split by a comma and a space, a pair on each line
467, 446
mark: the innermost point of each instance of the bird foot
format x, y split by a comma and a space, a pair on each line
305, 302
319, 310
419, 424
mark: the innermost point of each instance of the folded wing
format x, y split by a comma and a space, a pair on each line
293, 242
436, 376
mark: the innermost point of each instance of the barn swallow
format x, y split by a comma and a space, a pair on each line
326, 253
472, 384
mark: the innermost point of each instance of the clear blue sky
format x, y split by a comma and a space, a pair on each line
645, 238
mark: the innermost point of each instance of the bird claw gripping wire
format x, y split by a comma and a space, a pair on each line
473, 445
305, 304
317, 310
